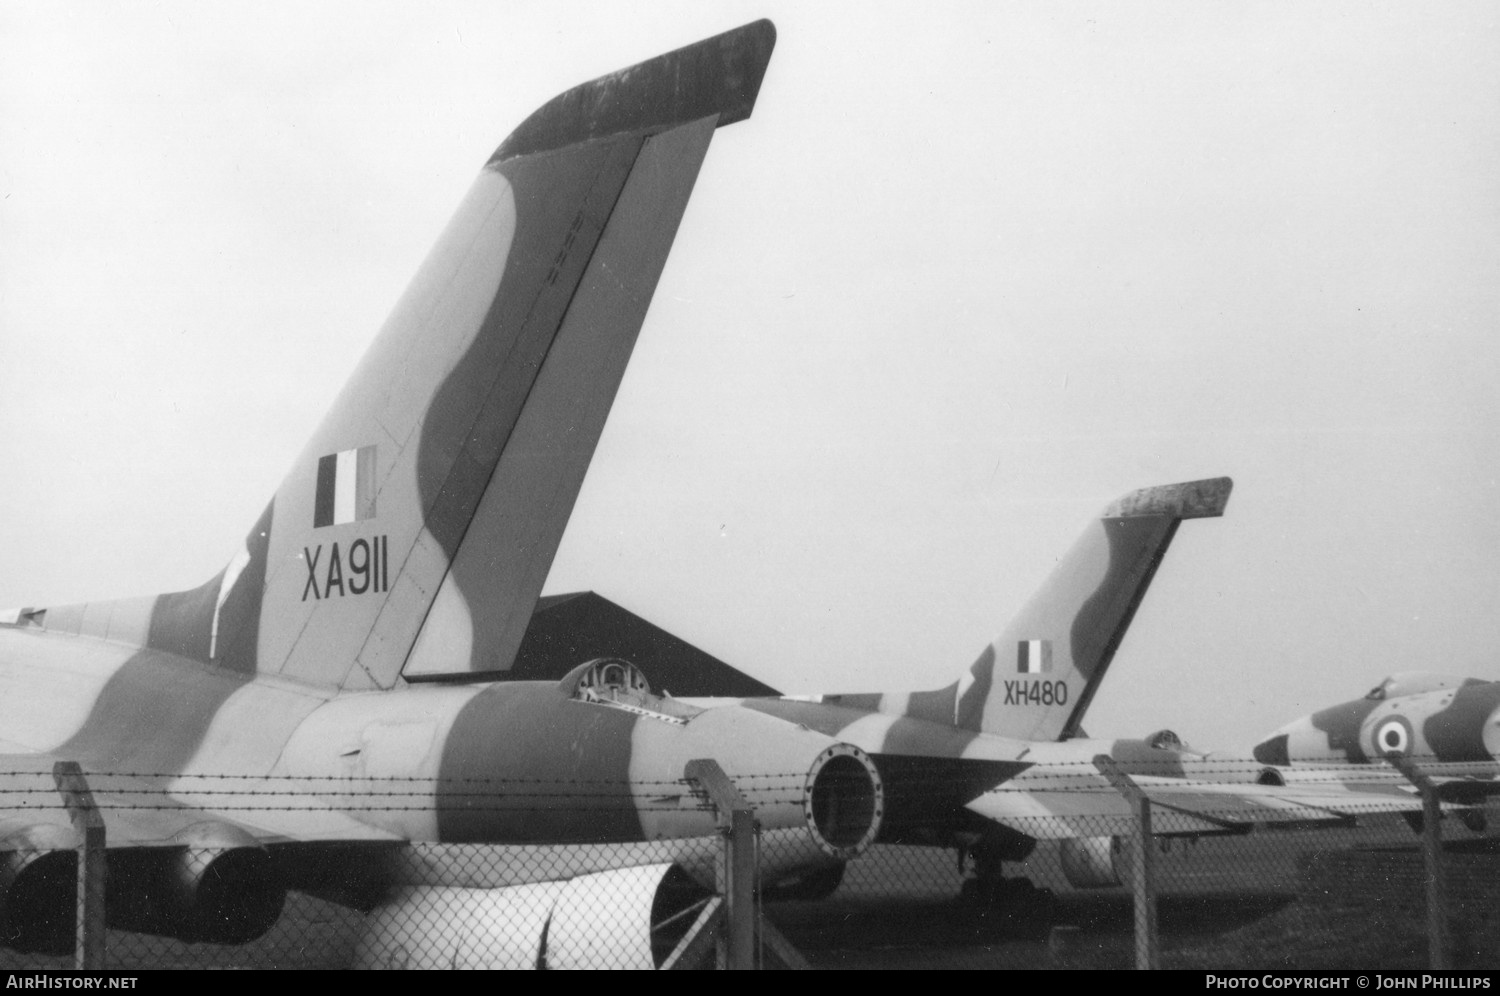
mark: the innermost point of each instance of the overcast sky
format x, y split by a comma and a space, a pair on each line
970, 272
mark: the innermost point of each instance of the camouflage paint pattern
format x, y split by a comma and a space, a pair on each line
1432, 717
480, 401
986, 745
420, 520
418, 524
1035, 681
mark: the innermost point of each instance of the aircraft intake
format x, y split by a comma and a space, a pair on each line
623, 918
1094, 862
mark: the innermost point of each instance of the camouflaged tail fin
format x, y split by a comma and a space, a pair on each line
421, 519
481, 402
1036, 680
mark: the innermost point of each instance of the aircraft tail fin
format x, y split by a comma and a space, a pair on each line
1035, 681
422, 517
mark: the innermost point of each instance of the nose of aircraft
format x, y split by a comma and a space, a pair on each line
1272, 750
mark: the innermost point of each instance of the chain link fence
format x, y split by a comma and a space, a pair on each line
1055, 889
1307, 890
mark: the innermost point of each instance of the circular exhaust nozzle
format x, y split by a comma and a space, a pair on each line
844, 801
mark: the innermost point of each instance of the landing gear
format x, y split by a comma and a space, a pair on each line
1027, 908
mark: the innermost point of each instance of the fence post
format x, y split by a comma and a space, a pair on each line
1147, 949
1432, 853
737, 865
88, 950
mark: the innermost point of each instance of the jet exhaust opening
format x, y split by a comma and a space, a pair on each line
235, 896
845, 801
216, 895
38, 901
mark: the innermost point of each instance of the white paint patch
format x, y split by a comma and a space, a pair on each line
375, 755
231, 575
868, 733
397, 748
989, 747
965, 682
48, 684
250, 729
446, 641
345, 476
895, 703
714, 703
1492, 734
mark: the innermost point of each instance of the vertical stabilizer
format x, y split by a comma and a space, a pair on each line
426, 508
484, 395
1035, 681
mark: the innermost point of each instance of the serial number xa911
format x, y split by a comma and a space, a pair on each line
1036, 693
360, 568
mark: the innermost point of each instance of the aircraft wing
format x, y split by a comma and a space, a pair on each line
1087, 808
1469, 789
1461, 783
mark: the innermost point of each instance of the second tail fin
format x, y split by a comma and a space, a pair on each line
1035, 681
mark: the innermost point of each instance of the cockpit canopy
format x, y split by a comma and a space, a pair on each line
1413, 683
1165, 740
619, 684
607, 679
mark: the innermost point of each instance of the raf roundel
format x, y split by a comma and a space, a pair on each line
1393, 736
